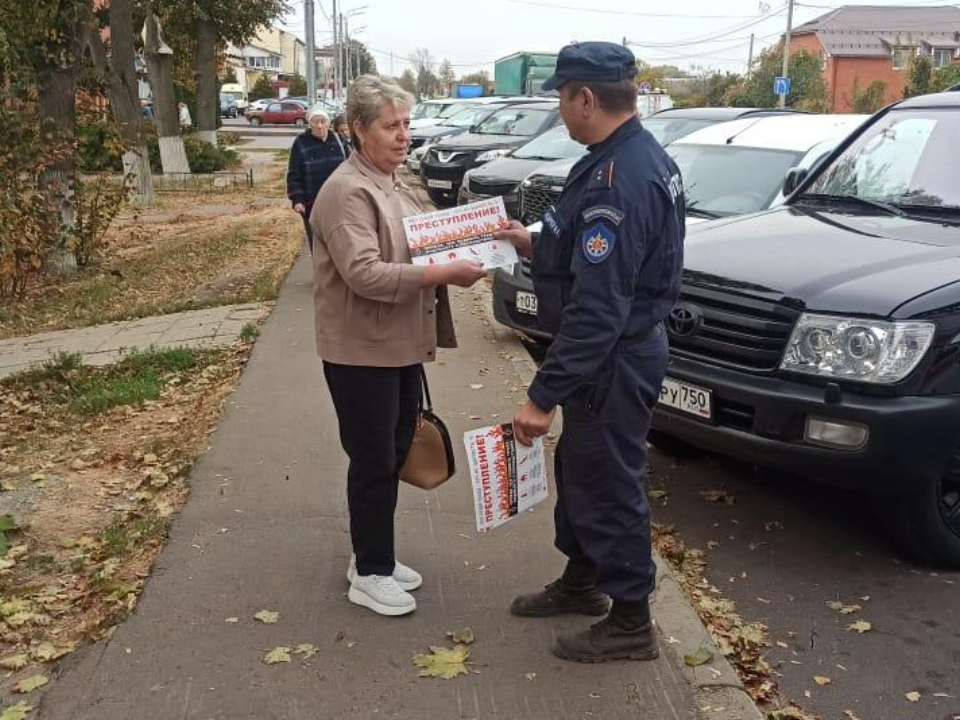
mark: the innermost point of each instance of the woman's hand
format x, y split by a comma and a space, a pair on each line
462, 273
300, 209
517, 234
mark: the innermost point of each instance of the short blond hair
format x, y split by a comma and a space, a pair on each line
368, 95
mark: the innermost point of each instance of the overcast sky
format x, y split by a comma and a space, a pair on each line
473, 34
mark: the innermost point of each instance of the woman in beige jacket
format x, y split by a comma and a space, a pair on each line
379, 318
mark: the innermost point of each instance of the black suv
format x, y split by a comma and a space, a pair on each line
823, 336
444, 165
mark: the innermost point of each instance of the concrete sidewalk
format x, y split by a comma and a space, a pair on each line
266, 528
105, 344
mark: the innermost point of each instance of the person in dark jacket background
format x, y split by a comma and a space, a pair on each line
313, 158
342, 129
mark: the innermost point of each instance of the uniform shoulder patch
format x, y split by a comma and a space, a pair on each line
597, 242
605, 212
602, 176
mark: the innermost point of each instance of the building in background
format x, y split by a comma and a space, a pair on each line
864, 44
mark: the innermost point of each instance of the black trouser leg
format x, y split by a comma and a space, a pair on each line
377, 412
306, 225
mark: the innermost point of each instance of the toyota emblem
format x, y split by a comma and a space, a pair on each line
684, 320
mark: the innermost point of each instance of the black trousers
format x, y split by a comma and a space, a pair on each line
306, 225
377, 410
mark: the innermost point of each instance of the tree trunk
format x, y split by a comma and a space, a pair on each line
59, 121
208, 101
159, 57
124, 93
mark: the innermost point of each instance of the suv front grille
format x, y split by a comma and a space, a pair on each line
491, 189
748, 333
536, 196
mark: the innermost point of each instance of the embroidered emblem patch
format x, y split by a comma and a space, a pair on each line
604, 212
597, 243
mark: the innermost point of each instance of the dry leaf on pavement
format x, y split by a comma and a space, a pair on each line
821, 680
701, 657
16, 712
850, 715
15, 662
442, 662
464, 636
31, 683
717, 496
267, 617
860, 626
277, 655
306, 650
913, 696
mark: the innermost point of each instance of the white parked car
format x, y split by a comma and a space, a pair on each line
738, 167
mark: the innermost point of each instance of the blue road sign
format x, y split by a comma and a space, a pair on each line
781, 85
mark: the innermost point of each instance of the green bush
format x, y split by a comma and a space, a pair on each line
99, 148
207, 158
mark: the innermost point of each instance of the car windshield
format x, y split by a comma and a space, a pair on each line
452, 109
666, 129
468, 117
553, 145
728, 180
907, 158
522, 122
426, 111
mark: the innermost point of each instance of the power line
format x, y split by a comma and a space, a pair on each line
633, 13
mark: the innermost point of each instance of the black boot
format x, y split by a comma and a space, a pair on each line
625, 634
575, 592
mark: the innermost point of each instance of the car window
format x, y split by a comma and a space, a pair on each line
553, 145
666, 130
292, 107
274, 107
731, 180
452, 109
522, 122
907, 157
468, 117
429, 111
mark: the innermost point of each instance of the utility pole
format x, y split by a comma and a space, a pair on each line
336, 54
750, 58
311, 51
343, 54
346, 47
786, 49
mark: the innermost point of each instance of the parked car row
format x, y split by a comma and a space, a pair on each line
818, 328
288, 111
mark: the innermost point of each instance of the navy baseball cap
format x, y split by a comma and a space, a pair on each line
592, 62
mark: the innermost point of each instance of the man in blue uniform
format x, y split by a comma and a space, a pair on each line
606, 270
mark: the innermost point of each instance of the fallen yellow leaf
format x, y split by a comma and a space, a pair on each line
277, 655
464, 636
267, 617
821, 680
860, 626
306, 650
31, 683
701, 657
445, 663
16, 712
913, 696
15, 662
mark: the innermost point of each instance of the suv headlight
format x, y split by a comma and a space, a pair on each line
492, 154
872, 351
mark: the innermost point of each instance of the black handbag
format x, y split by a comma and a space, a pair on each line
430, 462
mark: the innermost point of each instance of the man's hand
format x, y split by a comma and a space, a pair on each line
300, 209
517, 234
531, 422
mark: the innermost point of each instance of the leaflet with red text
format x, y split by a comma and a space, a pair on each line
464, 232
508, 478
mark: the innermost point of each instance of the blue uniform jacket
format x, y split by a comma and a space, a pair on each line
606, 267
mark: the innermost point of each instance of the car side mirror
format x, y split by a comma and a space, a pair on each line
795, 178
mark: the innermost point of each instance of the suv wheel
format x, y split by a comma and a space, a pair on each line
926, 523
300, 122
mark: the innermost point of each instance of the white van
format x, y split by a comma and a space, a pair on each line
239, 93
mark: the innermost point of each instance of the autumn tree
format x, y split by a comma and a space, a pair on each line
447, 76
808, 90
210, 23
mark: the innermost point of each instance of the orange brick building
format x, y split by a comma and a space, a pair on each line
866, 43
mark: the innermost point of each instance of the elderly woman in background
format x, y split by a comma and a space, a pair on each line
378, 319
313, 158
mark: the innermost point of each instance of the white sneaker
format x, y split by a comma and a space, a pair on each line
406, 577
381, 594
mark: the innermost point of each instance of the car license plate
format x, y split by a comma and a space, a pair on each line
440, 184
527, 303
687, 398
